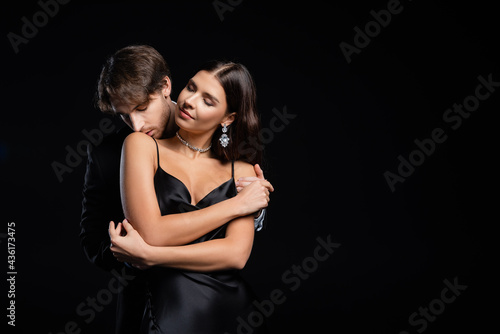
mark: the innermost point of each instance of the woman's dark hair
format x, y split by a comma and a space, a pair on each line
241, 98
132, 74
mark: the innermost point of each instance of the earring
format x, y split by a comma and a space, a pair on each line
224, 139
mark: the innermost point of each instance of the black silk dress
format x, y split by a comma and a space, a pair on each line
187, 302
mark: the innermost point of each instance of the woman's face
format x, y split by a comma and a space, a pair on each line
201, 105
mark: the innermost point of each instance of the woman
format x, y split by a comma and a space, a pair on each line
194, 288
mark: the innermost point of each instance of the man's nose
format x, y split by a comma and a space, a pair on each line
136, 121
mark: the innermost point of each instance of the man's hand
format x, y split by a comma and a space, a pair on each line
245, 181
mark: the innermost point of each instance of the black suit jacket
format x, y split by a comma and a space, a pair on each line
101, 199
102, 204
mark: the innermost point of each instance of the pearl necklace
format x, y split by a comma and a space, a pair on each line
201, 150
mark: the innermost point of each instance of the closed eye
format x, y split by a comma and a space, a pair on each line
142, 107
191, 87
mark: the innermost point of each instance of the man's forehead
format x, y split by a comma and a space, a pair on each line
122, 106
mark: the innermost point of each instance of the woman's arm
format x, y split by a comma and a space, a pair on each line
141, 208
231, 252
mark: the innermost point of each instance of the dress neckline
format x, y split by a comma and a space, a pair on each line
187, 190
182, 183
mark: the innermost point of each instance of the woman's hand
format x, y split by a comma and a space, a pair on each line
245, 181
128, 246
253, 192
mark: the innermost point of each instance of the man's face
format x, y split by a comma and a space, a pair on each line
150, 118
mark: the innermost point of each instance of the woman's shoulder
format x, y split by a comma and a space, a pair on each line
138, 136
139, 141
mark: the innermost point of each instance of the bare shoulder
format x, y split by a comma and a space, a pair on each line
243, 169
138, 139
138, 143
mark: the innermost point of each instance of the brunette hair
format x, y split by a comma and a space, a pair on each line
241, 99
132, 74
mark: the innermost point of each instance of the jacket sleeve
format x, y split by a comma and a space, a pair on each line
99, 207
259, 221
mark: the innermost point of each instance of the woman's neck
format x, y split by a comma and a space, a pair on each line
189, 142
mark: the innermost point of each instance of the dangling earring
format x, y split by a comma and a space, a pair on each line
224, 139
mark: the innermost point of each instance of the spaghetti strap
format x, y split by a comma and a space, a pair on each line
232, 168
157, 152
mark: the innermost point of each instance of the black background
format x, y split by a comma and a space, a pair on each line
352, 121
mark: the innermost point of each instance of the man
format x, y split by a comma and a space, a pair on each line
134, 84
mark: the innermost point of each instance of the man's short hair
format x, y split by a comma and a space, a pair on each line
132, 74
